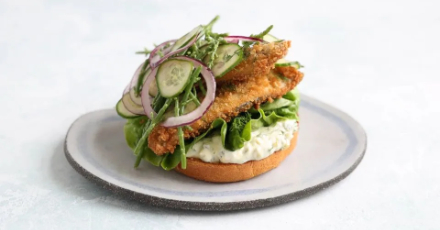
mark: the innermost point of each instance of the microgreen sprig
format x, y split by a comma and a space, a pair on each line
148, 128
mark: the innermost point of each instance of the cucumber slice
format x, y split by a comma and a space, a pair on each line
131, 106
284, 63
228, 56
123, 112
181, 42
270, 38
173, 76
276, 104
191, 106
136, 99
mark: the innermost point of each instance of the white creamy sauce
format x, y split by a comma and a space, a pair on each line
264, 142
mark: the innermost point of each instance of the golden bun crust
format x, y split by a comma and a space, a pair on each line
223, 173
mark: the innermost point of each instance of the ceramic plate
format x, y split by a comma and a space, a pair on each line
330, 146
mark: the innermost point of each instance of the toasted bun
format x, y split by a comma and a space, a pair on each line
221, 173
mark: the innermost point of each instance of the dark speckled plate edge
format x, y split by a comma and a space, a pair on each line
209, 206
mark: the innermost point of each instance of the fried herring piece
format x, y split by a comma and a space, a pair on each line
231, 99
289, 72
258, 61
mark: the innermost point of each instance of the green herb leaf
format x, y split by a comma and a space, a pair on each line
145, 51
239, 130
133, 130
262, 34
151, 157
236, 128
219, 122
170, 161
148, 128
177, 113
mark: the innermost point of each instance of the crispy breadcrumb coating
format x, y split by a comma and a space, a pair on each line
258, 60
231, 99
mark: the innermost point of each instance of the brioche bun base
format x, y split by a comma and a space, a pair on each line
224, 173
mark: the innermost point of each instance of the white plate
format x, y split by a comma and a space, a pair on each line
330, 146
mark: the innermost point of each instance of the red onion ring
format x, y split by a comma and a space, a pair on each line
134, 81
154, 63
127, 88
145, 95
135, 77
195, 114
235, 39
155, 58
167, 50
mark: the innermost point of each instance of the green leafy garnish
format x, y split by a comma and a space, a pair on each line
140, 81
234, 133
171, 161
238, 131
262, 34
133, 130
144, 52
147, 130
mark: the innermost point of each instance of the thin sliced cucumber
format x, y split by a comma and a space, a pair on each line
191, 106
123, 112
131, 106
276, 104
135, 98
227, 57
173, 76
181, 42
270, 38
284, 63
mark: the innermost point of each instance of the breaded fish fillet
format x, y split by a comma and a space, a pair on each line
289, 72
258, 60
231, 99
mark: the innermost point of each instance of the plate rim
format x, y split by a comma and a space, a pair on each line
213, 206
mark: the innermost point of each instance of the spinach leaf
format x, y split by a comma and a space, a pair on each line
236, 129
133, 129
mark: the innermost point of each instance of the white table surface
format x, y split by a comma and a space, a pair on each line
376, 60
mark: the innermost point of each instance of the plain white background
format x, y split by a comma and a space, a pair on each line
376, 60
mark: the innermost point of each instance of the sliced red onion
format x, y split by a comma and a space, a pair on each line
133, 84
167, 50
196, 62
154, 63
127, 88
195, 114
135, 77
145, 95
155, 58
235, 39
